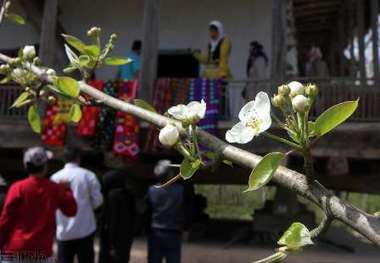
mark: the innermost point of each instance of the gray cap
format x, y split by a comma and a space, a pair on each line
37, 156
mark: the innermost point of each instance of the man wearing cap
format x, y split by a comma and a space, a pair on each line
75, 235
166, 205
27, 222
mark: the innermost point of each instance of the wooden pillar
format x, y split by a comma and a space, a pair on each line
150, 48
351, 26
48, 33
361, 34
340, 46
278, 52
375, 40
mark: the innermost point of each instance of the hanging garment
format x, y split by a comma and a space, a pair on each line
210, 92
106, 123
168, 92
127, 131
90, 114
53, 132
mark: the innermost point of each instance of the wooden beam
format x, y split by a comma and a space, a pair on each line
150, 48
48, 33
375, 40
361, 34
278, 58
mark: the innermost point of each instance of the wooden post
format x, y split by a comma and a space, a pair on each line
351, 26
375, 40
361, 33
48, 33
340, 47
150, 49
278, 58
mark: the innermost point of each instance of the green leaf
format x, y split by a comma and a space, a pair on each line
145, 105
68, 86
264, 171
92, 51
312, 129
188, 168
20, 100
296, 237
334, 116
15, 18
34, 119
75, 113
228, 162
84, 60
73, 58
75, 43
117, 61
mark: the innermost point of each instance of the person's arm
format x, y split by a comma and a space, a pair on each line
201, 57
67, 203
225, 51
9, 213
95, 192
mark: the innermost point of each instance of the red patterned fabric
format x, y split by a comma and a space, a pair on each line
90, 114
53, 133
126, 137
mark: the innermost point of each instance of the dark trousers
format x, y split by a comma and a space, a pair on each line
83, 248
164, 244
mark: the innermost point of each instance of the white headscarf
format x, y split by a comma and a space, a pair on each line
219, 26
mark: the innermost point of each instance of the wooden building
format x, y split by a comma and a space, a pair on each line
338, 27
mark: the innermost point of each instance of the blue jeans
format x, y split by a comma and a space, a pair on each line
164, 244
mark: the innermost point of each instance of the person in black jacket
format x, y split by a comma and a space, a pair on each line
118, 219
167, 212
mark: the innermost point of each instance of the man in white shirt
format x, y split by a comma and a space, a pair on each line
75, 234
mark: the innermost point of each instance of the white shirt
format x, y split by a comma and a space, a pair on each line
86, 191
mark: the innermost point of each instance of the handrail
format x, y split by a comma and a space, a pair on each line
8, 94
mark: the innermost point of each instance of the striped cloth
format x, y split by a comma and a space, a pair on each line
210, 91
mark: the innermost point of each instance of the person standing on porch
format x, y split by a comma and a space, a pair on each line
256, 70
216, 60
27, 222
131, 70
167, 215
75, 235
316, 67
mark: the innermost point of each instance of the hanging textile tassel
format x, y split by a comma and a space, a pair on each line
127, 131
90, 114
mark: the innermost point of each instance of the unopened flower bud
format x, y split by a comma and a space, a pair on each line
300, 103
311, 90
28, 52
278, 101
36, 61
4, 69
296, 88
51, 72
18, 73
94, 32
169, 135
113, 37
283, 90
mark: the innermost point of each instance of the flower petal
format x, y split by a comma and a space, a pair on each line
262, 103
239, 133
179, 112
247, 110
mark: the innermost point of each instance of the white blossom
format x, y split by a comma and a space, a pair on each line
169, 135
29, 52
300, 103
191, 113
296, 88
254, 119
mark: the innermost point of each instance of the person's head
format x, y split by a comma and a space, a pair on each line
35, 161
255, 47
137, 46
164, 171
72, 155
215, 29
314, 53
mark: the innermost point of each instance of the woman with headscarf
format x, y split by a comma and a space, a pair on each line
216, 60
256, 70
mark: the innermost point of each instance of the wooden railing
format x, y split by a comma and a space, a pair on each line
331, 91
8, 94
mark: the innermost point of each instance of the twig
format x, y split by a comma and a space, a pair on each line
322, 227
